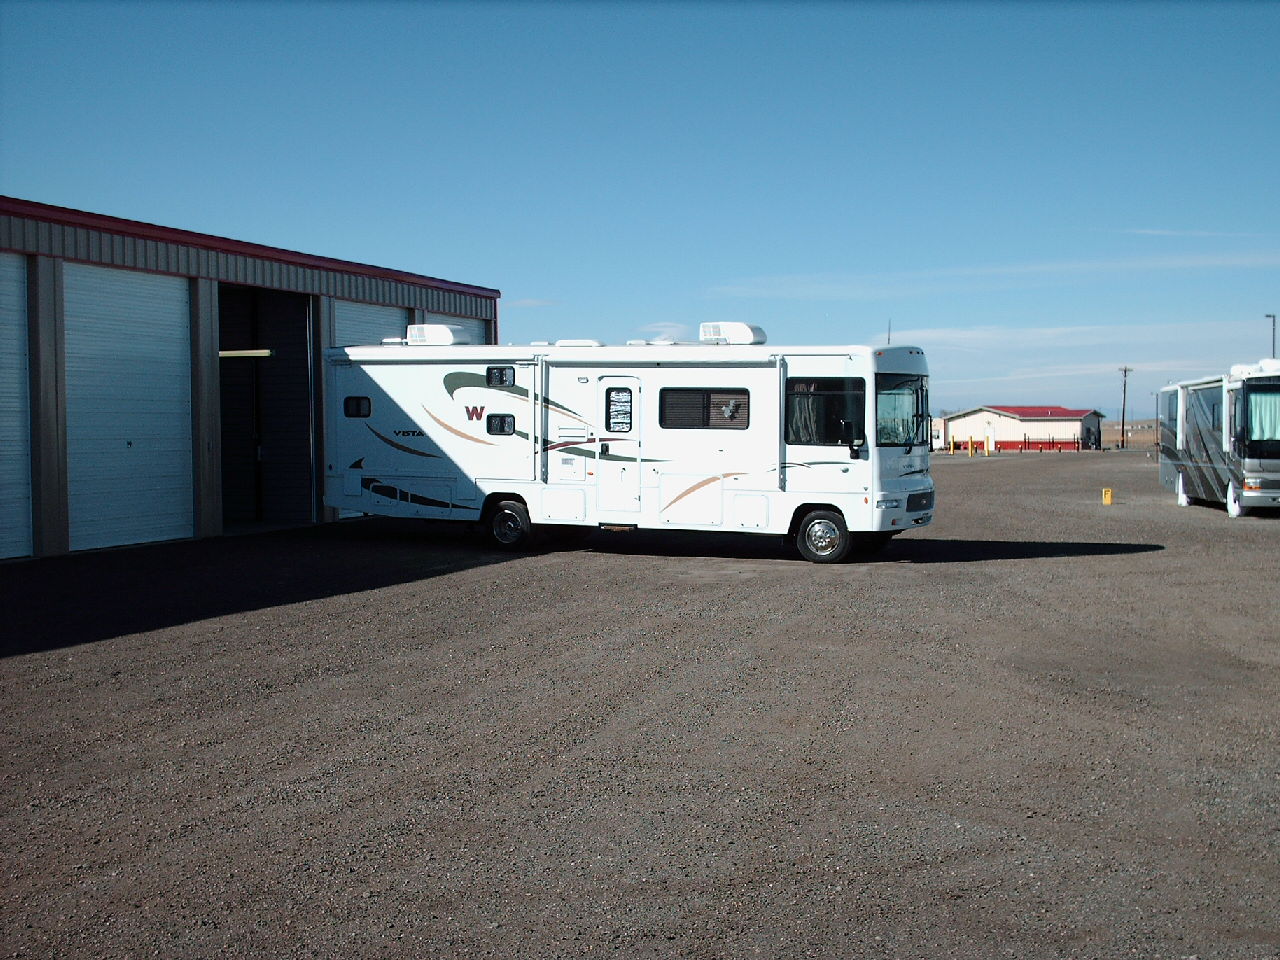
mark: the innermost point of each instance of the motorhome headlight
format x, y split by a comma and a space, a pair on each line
1252, 484
888, 504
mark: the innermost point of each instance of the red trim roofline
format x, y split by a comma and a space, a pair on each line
13, 206
1027, 412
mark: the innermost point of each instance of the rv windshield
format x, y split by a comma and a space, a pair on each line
1264, 413
902, 410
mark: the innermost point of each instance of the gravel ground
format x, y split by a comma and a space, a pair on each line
1041, 727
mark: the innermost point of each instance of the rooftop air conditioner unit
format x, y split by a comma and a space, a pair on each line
436, 335
731, 332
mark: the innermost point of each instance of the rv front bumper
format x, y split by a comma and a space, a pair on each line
902, 511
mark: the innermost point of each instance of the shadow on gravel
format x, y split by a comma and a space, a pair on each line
924, 550
61, 601
738, 546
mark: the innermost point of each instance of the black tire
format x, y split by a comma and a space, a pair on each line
822, 537
509, 527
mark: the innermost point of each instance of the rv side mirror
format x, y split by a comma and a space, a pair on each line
851, 433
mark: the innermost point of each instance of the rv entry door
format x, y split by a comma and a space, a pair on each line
618, 456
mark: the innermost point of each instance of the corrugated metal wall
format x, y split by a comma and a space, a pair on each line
29, 235
128, 401
15, 407
366, 324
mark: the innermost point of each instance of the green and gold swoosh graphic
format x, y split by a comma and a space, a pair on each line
460, 379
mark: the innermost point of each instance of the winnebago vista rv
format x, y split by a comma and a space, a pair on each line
1220, 438
827, 445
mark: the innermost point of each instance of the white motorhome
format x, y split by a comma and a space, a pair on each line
828, 445
1220, 438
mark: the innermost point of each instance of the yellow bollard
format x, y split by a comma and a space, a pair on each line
971, 446
1106, 496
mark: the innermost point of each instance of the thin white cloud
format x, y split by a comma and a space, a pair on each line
666, 330
1147, 232
916, 282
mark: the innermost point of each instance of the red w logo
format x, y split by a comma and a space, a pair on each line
475, 413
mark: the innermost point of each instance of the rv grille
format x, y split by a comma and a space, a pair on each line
920, 501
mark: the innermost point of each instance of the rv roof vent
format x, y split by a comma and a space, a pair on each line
730, 332
436, 335
579, 343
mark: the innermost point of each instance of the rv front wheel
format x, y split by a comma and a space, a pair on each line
1233, 501
823, 537
509, 525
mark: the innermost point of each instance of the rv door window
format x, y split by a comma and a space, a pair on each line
825, 411
617, 410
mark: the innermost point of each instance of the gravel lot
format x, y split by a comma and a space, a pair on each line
1042, 727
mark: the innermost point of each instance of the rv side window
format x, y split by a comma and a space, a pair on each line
617, 410
818, 408
357, 406
501, 377
501, 424
681, 408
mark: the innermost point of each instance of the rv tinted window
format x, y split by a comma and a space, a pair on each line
357, 406
617, 410
501, 424
501, 376
680, 408
817, 408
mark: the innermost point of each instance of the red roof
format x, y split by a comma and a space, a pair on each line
1043, 413
66, 216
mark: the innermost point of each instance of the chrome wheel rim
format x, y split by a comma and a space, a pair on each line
822, 537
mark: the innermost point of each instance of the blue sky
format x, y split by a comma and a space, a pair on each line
1037, 194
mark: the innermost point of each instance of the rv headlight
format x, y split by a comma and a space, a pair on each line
888, 504
1252, 484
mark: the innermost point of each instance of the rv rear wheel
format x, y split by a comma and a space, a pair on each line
823, 537
509, 525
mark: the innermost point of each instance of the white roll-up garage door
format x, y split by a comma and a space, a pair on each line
15, 410
128, 383
475, 329
364, 324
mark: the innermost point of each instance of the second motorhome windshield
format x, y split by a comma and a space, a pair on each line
902, 410
1261, 424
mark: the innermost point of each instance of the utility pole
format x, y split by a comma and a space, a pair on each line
1272, 318
1124, 400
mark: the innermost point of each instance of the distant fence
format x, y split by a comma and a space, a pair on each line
1025, 445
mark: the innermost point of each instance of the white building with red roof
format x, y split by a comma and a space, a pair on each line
1043, 427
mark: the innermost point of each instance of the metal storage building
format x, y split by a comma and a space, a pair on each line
157, 383
1024, 428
